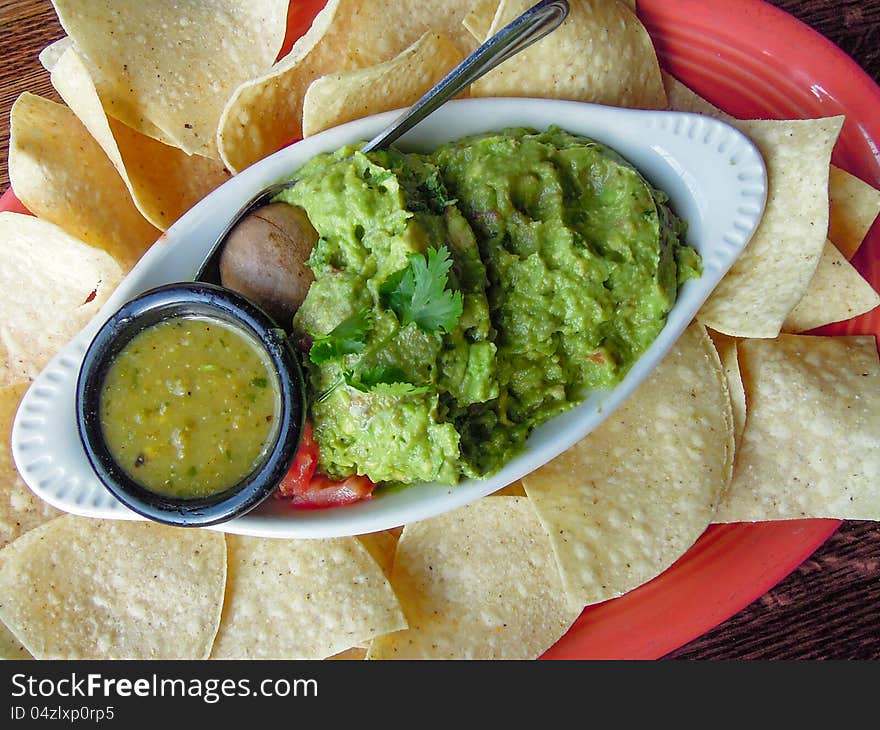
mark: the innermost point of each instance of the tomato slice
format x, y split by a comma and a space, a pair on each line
306, 489
324, 492
296, 481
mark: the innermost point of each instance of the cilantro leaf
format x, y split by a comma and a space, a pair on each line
348, 337
382, 377
418, 293
371, 377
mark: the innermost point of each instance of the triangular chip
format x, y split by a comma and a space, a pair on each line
854, 207
20, 509
164, 182
683, 99
265, 113
727, 352
514, 489
601, 53
50, 285
61, 174
479, 20
773, 272
381, 546
10, 647
356, 654
302, 599
76, 588
342, 97
836, 292
175, 64
477, 583
811, 446
627, 501
50, 54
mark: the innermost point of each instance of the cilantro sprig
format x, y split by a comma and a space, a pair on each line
346, 338
418, 293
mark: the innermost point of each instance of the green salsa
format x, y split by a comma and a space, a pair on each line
462, 298
189, 407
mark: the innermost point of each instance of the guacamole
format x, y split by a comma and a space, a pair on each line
464, 297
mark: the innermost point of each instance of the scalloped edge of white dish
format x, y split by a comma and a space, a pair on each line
715, 178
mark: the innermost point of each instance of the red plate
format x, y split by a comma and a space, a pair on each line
752, 60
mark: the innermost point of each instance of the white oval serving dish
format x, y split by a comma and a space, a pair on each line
716, 181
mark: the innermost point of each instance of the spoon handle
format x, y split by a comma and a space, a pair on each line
531, 26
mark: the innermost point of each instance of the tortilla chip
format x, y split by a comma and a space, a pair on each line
381, 546
728, 354
302, 599
514, 489
854, 206
76, 588
20, 509
49, 58
627, 501
50, 54
50, 285
62, 175
337, 98
683, 99
356, 653
391, 27
811, 446
265, 113
772, 274
600, 54
164, 182
479, 20
836, 292
10, 647
160, 60
477, 583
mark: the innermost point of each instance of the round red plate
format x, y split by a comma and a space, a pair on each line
753, 61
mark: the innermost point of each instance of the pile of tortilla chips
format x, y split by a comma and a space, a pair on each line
745, 420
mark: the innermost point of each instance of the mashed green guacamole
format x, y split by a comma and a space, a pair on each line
464, 297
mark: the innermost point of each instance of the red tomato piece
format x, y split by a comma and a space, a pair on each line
324, 492
305, 489
303, 468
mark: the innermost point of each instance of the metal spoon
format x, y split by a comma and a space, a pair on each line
531, 26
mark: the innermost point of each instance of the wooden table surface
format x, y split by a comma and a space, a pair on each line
829, 608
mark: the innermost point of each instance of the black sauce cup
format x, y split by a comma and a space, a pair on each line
204, 301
